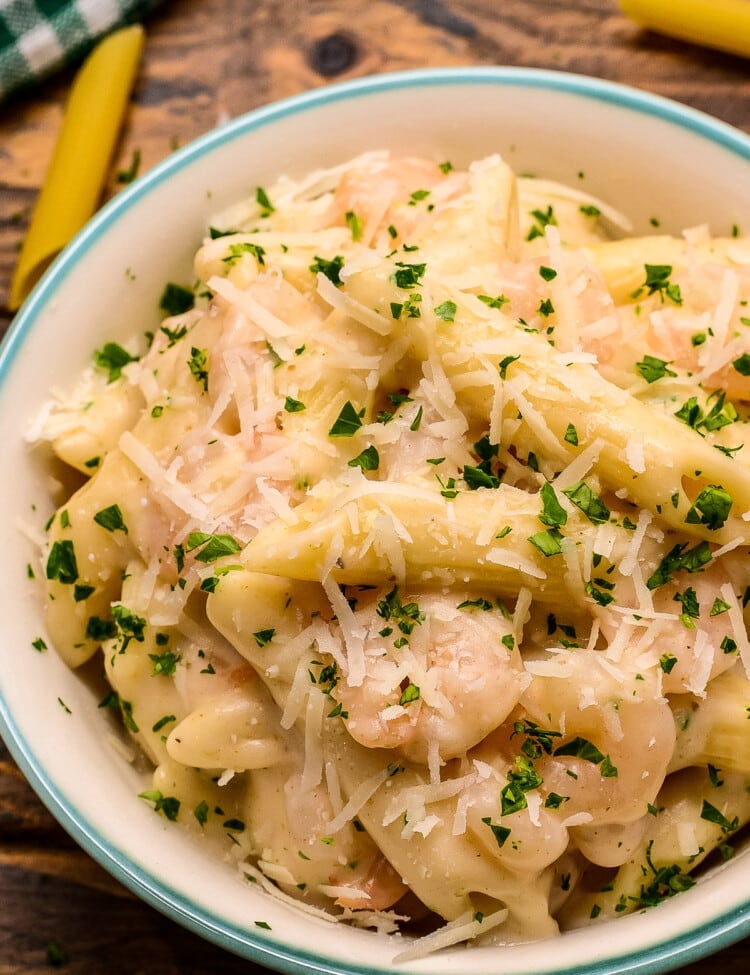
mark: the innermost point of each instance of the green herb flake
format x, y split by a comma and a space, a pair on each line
113, 359
589, 503
201, 812
547, 542
667, 662
212, 547
547, 273
331, 269
653, 369
263, 637
39, 645
163, 722
168, 806
176, 300
409, 694
165, 664
261, 198
198, 366
742, 364
718, 607
292, 405
504, 363
61, 562
712, 815
589, 210
237, 251
501, 833
571, 435
446, 311
497, 302
347, 423
553, 514
368, 460
111, 519
710, 508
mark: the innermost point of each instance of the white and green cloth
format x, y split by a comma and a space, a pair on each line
39, 36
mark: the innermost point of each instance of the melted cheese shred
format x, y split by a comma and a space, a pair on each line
417, 550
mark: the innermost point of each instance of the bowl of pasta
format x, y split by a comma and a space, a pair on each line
377, 540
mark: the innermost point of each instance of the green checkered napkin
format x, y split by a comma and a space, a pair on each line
39, 36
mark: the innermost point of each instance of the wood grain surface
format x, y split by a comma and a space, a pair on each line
205, 61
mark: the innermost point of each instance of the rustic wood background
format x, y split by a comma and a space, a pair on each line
206, 60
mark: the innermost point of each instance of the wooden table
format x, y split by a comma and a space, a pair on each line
206, 60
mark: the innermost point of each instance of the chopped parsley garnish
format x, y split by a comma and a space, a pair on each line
264, 637
589, 503
347, 423
111, 519
710, 508
331, 269
130, 625
163, 722
538, 740
246, 247
61, 562
712, 815
571, 435
719, 607
198, 366
126, 176
39, 645
496, 302
292, 405
213, 546
446, 311
165, 664
583, 748
175, 300
541, 219
522, 778
548, 542
368, 460
479, 603
168, 806
417, 421
99, 629
405, 615
742, 364
547, 273
504, 363
546, 308
354, 223
409, 694
407, 276
266, 207
477, 477
667, 662
589, 210
657, 282
720, 415
113, 358
501, 833
652, 368
445, 167
553, 514
680, 557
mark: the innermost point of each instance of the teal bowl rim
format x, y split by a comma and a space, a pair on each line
660, 957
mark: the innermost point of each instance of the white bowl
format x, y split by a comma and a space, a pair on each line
648, 157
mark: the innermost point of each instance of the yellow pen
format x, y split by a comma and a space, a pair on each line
724, 24
75, 178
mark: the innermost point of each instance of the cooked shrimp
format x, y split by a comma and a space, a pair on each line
441, 672
699, 330
289, 825
612, 736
